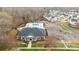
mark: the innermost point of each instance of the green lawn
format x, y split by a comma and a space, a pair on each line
60, 46
48, 49
22, 45
74, 46
38, 47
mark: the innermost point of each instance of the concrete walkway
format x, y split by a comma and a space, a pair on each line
29, 44
63, 42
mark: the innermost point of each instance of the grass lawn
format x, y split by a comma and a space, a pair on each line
60, 47
22, 45
48, 49
74, 46
37, 44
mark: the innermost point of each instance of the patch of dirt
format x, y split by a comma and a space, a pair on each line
51, 42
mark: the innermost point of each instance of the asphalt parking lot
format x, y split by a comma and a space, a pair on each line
53, 29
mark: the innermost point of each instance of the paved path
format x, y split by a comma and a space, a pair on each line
29, 44
64, 43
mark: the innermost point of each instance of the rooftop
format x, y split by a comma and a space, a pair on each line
31, 31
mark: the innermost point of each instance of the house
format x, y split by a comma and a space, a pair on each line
74, 20
55, 15
51, 16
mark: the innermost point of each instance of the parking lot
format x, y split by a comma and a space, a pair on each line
66, 36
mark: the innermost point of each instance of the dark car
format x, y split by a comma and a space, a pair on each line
33, 34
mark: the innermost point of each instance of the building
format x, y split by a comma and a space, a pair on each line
51, 16
74, 21
32, 31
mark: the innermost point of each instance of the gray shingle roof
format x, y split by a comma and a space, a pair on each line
31, 31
